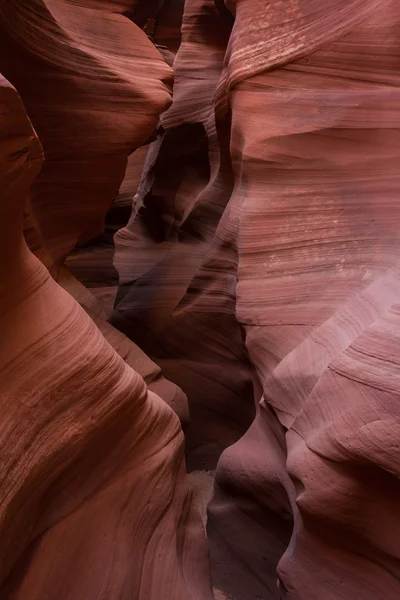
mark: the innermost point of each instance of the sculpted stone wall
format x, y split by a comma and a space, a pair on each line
94, 500
94, 87
92, 102
303, 265
257, 270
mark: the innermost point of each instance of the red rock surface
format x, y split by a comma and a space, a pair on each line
304, 259
92, 262
185, 187
86, 147
258, 269
94, 502
94, 86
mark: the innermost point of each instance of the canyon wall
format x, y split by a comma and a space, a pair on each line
94, 498
230, 253
299, 280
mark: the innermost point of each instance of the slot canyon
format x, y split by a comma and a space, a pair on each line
200, 300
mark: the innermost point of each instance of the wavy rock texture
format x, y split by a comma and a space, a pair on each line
92, 263
130, 352
94, 90
302, 273
258, 269
186, 184
317, 278
166, 196
94, 499
73, 96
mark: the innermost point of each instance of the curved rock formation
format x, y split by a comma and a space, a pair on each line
95, 89
92, 263
185, 187
259, 269
304, 259
92, 101
130, 352
94, 502
317, 284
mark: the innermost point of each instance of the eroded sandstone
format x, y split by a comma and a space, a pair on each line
257, 268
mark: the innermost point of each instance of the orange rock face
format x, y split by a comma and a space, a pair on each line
258, 271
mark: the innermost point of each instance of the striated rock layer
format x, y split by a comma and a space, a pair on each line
302, 276
94, 86
258, 269
186, 184
94, 502
92, 263
92, 102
